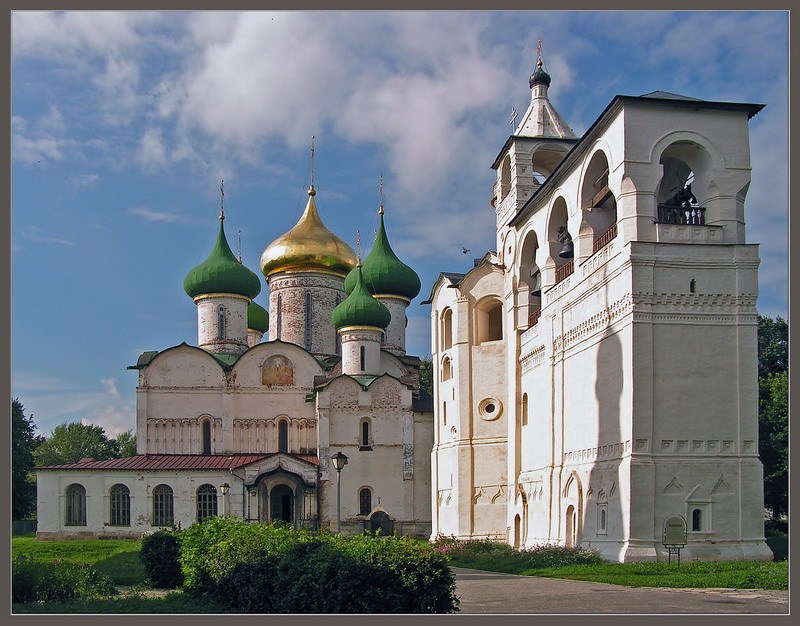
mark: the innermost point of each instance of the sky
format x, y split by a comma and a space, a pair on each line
125, 123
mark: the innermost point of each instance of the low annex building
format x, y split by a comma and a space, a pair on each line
597, 373
245, 427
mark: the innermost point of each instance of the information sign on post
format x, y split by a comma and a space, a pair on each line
674, 536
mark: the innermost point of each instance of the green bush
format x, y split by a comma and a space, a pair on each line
160, 555
279, 569
56, 581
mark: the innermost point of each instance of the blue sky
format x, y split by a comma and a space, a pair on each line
124, 123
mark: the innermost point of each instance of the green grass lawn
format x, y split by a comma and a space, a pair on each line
695, 574
116, 558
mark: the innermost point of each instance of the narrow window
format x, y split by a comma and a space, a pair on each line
447, 329
444, 413
221, 322
495, 323
338, 336
447, 369
206, 502
120, 506
524, 409
308, 321
278, 319
602, 519
364, 501
365, 445
283, 436
363, 353
697, 520
76, 505
206, 437
163, 511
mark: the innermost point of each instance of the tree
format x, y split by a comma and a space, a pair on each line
773, 345
426, 375
71, 442
773, 441
23, 443
125, 444
773, 411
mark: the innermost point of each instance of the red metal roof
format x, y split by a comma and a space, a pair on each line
176, 462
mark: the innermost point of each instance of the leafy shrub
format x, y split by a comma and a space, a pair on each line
160, 555
56, 581
280, 569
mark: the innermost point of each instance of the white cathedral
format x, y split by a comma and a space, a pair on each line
593, 377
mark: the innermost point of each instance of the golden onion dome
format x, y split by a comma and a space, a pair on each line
308, 246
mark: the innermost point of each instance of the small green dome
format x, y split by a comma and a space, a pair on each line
257, 317
360, 308
384, 273
221, 272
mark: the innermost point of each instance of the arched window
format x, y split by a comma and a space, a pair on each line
206, 502
221, 322
364, 437
505, 177
120, 506
447, 329
283, 436
163, 512
278, 305
489, 320
362, 351
76, 505
602, 519
364, 501
697, 520
524, 409
308, 334
447, 368
206, 437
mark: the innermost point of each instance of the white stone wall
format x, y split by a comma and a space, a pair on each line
222, 334
327, 290
352, 340
394, 337
52, 488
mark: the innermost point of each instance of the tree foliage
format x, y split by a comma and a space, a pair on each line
125, 444
773, 412
73, 441
426, 375
23, 444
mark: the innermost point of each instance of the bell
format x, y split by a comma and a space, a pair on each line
568, 250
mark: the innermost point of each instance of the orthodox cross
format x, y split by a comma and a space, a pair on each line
222, 200
539, 50
513, 120
358, 246
312, 160
380, 191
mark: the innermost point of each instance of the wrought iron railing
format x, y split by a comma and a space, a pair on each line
565, 270
671, 214
603, 239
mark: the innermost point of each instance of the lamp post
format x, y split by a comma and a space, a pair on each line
339, 461
224, 488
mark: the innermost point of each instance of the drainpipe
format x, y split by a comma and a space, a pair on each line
319, 510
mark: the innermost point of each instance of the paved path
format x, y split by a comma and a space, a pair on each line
488, 592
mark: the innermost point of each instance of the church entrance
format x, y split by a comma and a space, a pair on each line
381, 522
281, 504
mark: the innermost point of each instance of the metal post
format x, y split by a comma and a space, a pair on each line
338, 500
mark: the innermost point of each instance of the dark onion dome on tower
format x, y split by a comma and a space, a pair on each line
257, 317
308, 246
222, 272
384, 274
539, 77
360, 308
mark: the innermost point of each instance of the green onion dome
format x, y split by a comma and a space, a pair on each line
222, 272
360, 308
383, 272
257, 317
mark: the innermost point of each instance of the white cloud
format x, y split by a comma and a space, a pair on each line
164, 217
85, 180
37, 235
52, 401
